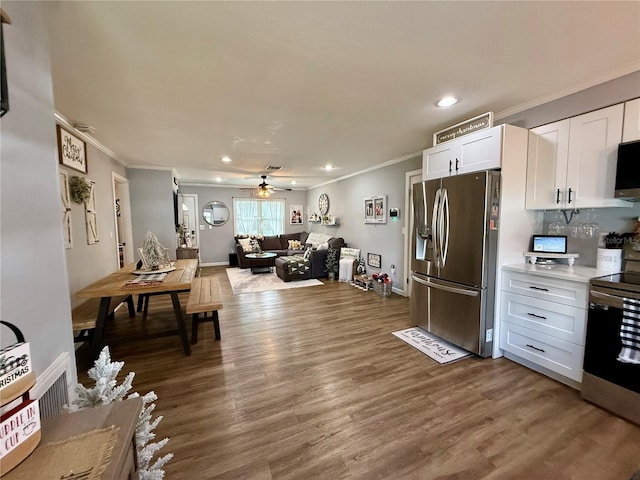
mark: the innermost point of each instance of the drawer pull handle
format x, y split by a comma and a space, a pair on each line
536, 316
535, 348
538, 288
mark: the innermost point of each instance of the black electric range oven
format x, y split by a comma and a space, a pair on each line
610, 378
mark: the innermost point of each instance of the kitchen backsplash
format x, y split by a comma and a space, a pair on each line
620, 220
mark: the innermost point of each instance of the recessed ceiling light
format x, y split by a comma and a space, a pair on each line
218, 179
293, 182
328, 167
447, 101
225, 159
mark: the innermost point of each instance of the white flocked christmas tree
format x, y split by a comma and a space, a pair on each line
107, 390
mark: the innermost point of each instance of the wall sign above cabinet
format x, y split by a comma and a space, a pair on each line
468, 126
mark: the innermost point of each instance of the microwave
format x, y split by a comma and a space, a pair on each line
628, 171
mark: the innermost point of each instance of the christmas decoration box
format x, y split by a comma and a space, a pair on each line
19, 433
16, 374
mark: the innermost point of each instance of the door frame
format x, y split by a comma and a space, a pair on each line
410, 178
125, 219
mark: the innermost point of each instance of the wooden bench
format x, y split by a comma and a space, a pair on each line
84, 316
205, 297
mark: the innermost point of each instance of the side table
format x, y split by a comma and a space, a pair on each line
124, 414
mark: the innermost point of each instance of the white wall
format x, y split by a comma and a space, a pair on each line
34, 292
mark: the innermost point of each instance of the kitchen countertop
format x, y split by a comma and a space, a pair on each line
574, 273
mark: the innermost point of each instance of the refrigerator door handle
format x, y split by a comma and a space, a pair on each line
434, 223
447, 288
445, 221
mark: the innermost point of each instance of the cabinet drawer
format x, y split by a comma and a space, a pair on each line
560, 321
553, 353
545, 288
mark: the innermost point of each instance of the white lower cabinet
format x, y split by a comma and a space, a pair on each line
543, 322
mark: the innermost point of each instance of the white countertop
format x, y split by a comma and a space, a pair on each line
574, 273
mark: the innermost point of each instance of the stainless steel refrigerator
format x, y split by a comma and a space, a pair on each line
453, 266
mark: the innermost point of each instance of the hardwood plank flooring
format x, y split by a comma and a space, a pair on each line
310, 383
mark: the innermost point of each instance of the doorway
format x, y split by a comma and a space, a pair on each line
411, 178
122, 221
188, 214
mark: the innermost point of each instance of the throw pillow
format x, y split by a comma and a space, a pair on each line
323, 246
245, 243
307, 254
295, 245
255, 246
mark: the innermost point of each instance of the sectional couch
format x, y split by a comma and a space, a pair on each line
289, 244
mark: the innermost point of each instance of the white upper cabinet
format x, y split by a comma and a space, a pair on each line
572, 163
470, 153
547, 165
631, 129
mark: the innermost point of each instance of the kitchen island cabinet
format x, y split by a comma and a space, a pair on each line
572, 163
471, 153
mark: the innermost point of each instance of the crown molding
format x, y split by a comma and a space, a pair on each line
62, 120
631, 68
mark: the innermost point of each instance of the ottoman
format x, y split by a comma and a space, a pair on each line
282, 270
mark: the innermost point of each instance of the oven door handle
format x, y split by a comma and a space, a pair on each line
600, 298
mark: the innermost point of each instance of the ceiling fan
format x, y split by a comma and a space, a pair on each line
263, 190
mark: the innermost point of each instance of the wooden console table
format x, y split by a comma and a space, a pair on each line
123, 463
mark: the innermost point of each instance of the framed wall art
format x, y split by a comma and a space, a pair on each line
374, 260
295, 215
375, 209
72, 151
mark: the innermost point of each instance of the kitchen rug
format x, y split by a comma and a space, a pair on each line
439, 350
243, 281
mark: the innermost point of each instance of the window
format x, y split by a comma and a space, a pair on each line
258, 217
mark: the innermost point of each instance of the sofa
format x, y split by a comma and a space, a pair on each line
285, 245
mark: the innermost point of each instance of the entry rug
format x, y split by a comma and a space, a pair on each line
243, 281
439, 350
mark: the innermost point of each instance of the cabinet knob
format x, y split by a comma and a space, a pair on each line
535, 348
558, 196
569, 200
450, 163
539, 288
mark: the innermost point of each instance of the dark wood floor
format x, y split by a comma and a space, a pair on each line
310, 383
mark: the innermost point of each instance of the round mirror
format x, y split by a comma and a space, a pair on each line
215, 213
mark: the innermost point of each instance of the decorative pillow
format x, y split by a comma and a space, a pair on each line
323, 246
295, 245
245, 243
307, 254
254, 246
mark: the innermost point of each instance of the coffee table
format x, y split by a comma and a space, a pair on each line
261, 262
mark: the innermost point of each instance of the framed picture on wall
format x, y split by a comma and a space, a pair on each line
295, 215
72, 151
375, 209
374, 260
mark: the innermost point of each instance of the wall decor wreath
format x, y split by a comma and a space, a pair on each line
79, 189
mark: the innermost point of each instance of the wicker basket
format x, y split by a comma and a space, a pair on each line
383, 289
